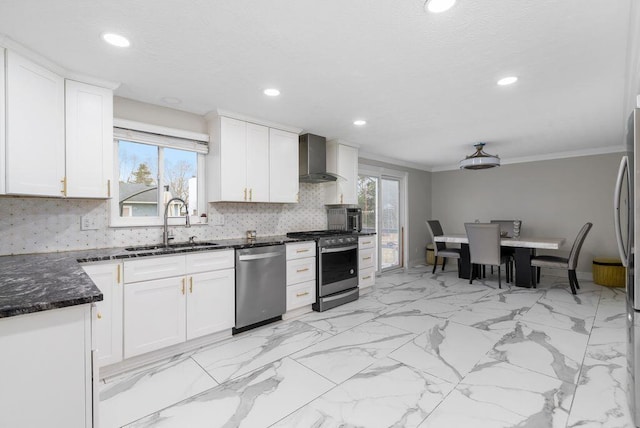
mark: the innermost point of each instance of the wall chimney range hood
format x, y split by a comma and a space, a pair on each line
313, 159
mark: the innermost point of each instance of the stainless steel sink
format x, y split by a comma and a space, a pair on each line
160, 247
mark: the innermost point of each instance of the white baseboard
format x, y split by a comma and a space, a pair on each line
162, 355
295, 313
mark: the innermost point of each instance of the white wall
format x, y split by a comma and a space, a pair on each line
418, 206
125, 108
553, 198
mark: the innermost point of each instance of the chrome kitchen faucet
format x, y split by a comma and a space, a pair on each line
165, 234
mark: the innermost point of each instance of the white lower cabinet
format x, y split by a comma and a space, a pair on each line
154, 315
210, 302
46, 369
366, 261
161, 312
301, 274
299, 295
108, 313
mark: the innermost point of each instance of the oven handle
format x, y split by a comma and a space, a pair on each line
337, 250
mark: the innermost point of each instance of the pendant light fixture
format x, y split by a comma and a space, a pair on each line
480, 159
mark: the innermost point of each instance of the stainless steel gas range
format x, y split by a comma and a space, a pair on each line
336, 267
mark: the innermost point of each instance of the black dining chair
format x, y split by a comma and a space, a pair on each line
440, 248
484, 248
568, 263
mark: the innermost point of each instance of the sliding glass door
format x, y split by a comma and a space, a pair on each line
380, 196
390, 242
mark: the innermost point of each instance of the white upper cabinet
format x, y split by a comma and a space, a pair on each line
251, 162
232, 182
59, 135
342, 160
257, 163
283, 166
89, 140
35, 129
242, 164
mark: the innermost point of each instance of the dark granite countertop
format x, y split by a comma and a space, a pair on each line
40, 282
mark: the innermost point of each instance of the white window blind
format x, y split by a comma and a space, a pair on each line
159, 135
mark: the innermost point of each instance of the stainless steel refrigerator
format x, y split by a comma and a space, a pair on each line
627, 225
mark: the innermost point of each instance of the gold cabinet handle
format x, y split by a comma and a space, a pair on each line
183, 286
366, 243
99, 316
64, 186
366, 258
302, 270
118, 275
366, 277
190, 284
341, 198
245, 193
302, 251
250, 194
108, 188
302, 294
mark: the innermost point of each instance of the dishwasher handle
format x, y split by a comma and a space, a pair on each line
260, 256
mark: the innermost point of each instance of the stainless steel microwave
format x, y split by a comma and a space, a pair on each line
344, 218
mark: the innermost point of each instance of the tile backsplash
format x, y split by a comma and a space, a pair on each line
38, 225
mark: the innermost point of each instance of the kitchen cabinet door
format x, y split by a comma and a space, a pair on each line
89, 140
108, 318
257, 163
154, 315
35, 129
283, 166
45, 367
343, 161
3, 129
210, 302
348, 169
233, 160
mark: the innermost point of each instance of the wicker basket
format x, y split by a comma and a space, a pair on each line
608, 272
431, 255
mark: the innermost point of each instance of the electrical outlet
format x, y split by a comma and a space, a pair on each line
88, 223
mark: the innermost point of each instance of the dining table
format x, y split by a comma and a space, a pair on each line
524, 248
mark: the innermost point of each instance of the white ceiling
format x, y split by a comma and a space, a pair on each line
424, 82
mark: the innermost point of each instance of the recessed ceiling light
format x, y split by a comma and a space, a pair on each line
116, 40
272, 92
171, 100
437, 6
507, 80
359, 122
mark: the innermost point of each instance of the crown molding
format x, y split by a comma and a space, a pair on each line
392, 161
8, 43
226, 113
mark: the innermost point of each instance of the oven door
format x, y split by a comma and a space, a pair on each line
337, 269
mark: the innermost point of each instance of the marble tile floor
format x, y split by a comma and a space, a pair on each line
417, 350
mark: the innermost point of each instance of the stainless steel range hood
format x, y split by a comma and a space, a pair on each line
313, 160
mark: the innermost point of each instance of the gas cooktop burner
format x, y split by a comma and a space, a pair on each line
318, 233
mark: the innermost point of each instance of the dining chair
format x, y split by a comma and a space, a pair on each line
440, 248
507, 227
484, 247
568, 263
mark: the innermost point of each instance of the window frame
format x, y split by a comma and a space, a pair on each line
115, 220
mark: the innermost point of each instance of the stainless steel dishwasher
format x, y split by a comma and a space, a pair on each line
261, 286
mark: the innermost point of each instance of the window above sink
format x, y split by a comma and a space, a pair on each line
153, 165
